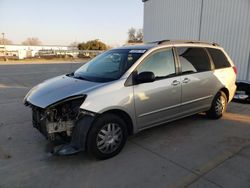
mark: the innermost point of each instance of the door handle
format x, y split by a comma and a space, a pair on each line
186, 80
175, 83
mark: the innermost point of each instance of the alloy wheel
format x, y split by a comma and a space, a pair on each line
109, 138
220, 105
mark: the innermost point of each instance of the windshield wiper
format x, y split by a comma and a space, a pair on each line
80, 78
70, 74
77, 77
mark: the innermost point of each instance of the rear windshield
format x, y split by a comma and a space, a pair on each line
108, 66
219, 59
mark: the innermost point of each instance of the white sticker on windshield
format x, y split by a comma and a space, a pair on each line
137, 51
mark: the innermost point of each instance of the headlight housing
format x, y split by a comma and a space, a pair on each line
66, 109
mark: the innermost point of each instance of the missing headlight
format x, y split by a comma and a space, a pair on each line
59, 118
65, 110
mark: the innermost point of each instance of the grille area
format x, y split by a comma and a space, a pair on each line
38, 121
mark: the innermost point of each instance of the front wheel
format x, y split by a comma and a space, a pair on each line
107, 136
219, 106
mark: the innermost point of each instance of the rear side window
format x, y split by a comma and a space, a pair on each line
219, 58
193, 60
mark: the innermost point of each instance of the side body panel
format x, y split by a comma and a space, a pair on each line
227, 78
157, 102
198, 92
114, 96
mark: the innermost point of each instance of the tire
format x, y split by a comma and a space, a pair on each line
107, 137
218, 107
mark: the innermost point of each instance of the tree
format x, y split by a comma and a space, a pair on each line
135, 36
131, 35
33, 41
92, 45
5, 41
139, 35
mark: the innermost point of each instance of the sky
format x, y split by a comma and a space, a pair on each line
63, 22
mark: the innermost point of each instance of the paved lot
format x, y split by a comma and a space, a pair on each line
192, 152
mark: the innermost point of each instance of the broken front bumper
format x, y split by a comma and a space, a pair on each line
50, 129
38, 121
77, 130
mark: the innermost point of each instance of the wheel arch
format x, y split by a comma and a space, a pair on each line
226, 91
125, 116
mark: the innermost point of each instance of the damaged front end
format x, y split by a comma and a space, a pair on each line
55, 105
57, 120
64, 121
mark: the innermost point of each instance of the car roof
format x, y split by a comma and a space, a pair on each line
173, 42
137, 47
148, 46
167, 43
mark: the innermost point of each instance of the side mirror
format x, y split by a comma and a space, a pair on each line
145, 77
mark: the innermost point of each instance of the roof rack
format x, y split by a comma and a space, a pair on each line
163, 41
200, 42
215, 44
160, 41
185, 41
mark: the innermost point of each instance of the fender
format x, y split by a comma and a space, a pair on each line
79, 137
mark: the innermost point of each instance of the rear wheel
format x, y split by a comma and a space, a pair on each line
219, 106
107, 136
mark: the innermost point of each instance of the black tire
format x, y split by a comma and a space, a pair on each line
218, 107
102, 124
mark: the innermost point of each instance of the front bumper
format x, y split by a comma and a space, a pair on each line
38, 121
75, 142
50, 129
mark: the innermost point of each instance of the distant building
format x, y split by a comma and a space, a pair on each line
226, 22
26, 51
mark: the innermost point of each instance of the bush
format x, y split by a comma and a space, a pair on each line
92, 45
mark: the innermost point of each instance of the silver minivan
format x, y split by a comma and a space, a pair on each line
129, 89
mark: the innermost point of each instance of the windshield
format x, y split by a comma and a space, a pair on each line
108, 66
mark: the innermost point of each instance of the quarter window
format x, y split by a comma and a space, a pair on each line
193, 60
160, 63
219, 59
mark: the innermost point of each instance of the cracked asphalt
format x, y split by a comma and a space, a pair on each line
193, 152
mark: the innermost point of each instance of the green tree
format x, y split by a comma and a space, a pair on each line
92, 45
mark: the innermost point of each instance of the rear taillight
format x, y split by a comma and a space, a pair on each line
235, 69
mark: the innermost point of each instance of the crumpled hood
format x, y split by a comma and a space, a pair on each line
58, 88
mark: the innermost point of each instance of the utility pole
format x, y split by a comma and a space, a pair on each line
4, 47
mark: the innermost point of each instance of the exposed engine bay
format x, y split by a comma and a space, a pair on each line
57, 120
